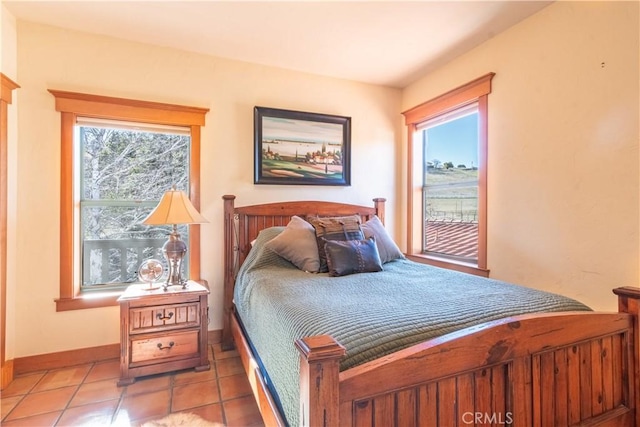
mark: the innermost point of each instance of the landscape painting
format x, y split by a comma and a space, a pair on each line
300, 148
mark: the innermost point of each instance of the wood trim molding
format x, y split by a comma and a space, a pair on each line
215, 336
107, 107
6, 374
476, 90
194, 196
71, 105
444, 263
6, 89
450, 100
67, 291
63, 359
483, 154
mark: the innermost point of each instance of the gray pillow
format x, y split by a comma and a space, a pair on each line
387, 248
297, 244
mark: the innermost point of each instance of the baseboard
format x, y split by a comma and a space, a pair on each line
6, 374
63, 359
215, 337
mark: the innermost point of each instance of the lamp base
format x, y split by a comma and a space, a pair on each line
174, 251
166, 285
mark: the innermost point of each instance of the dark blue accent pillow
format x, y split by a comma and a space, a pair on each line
335, 228
352, 256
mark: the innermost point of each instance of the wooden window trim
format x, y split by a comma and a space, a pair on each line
7, 86
71, 105
474, 91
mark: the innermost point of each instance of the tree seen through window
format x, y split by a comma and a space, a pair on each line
124, 173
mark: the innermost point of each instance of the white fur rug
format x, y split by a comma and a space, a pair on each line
182, 419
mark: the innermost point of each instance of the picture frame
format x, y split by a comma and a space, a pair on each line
301, 148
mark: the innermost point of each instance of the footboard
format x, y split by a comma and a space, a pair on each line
556, 369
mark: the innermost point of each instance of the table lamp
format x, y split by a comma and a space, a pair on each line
174, 208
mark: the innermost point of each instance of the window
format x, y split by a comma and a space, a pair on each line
447, 171
118, 157
450, 184
125, 168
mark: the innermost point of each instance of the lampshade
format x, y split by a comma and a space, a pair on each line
174, 208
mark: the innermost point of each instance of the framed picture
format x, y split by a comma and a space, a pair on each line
299, 148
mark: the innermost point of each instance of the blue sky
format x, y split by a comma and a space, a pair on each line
455, 141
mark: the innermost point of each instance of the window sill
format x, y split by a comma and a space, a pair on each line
88, 300
449, 264
97, 299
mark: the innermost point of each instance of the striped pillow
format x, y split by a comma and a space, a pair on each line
335, 228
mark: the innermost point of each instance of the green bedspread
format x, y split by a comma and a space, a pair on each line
370, 314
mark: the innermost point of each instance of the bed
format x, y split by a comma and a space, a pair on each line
564, 366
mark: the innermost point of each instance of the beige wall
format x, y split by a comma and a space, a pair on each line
563, 147
7, 43
563, 151
53, 58
8, 66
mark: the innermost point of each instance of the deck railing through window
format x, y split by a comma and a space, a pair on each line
108, 262
450, 225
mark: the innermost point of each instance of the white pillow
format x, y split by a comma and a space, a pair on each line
297, 244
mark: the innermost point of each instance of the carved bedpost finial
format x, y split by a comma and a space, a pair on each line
378, 203
319, 384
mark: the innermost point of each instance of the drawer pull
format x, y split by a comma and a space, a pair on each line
159, 316
171, 344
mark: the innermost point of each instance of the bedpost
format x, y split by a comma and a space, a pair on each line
378, 203
319, 382
229, 256
629, 302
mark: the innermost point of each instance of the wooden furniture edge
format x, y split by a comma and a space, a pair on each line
326, 394
629, 302
143, 359
230, 247
319, 380
265, 401
539, 338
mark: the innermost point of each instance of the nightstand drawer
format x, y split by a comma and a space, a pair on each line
163, 330
164, 317
174, 345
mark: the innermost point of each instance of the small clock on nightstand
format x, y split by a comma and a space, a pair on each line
162, 331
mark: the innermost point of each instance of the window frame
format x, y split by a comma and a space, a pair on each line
474, 91
84, 200
72, 105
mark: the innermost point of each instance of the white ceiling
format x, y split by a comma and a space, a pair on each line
388, 43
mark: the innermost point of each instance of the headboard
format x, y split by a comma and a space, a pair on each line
242, 225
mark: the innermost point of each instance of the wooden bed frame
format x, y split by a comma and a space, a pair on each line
552, 369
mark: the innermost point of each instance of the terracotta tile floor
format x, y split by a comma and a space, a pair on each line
87, 395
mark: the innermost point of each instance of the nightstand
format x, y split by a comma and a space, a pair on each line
162, 331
